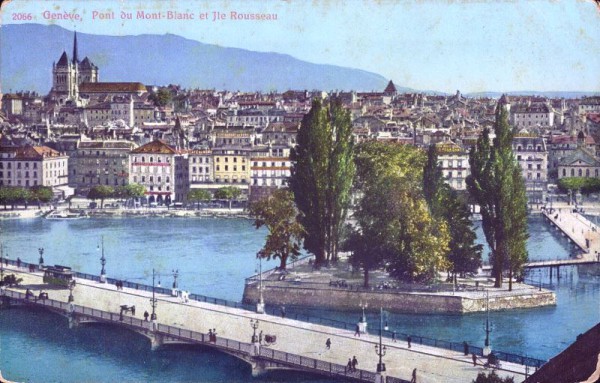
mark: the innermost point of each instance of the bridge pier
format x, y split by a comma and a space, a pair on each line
259, 368
156, 340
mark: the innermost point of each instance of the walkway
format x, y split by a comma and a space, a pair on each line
295, 338
581, 231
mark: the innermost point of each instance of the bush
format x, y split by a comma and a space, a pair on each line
492, 378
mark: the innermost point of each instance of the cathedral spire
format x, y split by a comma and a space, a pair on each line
75, 59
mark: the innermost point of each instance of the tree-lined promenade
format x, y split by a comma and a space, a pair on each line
405, 218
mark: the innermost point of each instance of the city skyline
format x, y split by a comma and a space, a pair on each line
445, 46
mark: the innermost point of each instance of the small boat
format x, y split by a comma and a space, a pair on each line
65, 214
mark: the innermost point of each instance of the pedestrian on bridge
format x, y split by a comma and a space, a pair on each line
328, 343
283, 311
357, 332
474, 357
146, 316
466, 348
409, 341
414, 376
349, 365
354, 363
394, 336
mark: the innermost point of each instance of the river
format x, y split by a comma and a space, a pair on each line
213, 257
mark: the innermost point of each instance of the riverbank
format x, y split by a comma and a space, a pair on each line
338, 287
127, 213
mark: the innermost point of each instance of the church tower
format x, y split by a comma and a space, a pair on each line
67, 75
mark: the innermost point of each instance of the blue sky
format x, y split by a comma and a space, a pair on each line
428, 45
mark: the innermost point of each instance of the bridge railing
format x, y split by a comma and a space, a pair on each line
291, 360
454, 346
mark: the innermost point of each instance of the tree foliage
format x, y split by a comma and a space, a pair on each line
279, 215
228, 193
161, 98
393, 223
584, 184
101, 192
321, 176
41, 194
497, 185
14, 195
445, 203
492, 377
199, 195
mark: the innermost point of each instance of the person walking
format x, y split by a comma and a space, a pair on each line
283, 311
146, 315
466, 348
328, 343
357, 331
414, 376
474, 357
354, 363
349, 366
409, 341
394, 336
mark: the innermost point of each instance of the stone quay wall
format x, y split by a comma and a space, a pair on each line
404, 302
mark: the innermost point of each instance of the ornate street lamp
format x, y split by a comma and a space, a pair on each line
254, 325
260, 306
103, 263
153, 300
41, 260
487, 349
379, 348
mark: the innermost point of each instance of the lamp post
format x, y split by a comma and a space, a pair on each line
254, 325
71, 287
379, 348
362, 323
260, 306
41, 260
1, 262
175, 275
487, 349
153, 300
103, 263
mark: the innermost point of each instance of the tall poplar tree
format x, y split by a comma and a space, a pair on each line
497, 185
445, 203
321, 176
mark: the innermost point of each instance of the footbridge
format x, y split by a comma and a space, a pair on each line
292, 344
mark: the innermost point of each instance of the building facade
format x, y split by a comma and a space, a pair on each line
532, 155
154, 166
30, 166
99, 163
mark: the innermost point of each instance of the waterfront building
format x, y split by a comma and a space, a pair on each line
200, 170
160, 168
29, 166
270, 170
532, 156
454, 161
100, 163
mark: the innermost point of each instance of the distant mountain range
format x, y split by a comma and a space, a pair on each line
556, 94
28, 51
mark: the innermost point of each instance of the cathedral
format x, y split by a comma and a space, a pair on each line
68, 75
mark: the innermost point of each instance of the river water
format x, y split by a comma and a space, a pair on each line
213, 257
